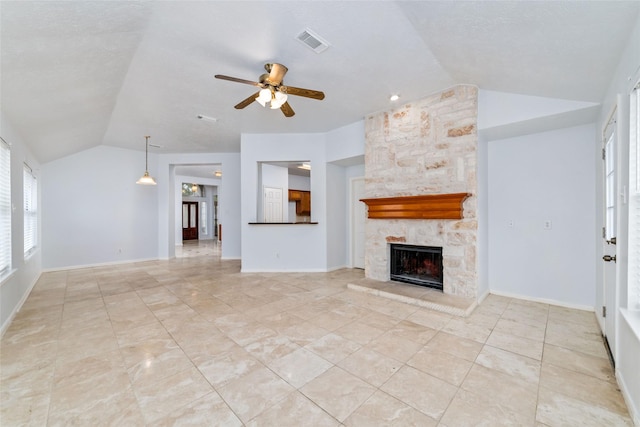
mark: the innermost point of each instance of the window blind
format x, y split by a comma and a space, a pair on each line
203, 216
634, 202
30, 210
5, 208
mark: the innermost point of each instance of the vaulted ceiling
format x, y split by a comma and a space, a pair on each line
77, 74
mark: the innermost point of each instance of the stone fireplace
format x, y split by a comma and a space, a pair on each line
425, 148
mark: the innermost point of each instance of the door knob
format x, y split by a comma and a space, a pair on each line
609, 258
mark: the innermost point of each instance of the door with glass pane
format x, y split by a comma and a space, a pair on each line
189, 220
609, 309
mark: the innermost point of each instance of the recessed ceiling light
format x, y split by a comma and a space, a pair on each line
394, 97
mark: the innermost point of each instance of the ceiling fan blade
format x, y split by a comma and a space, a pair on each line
287, 110
247, 101
237, 80
276, 73
307, 93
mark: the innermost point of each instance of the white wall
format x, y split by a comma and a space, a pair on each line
532, 179
15, 288
482, 214
283, 247
297, 182
497, 109
628, 325
345, 143
337, 217
93, 212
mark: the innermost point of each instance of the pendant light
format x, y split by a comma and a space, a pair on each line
146, 179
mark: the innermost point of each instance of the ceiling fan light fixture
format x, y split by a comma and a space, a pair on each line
264, 97
277, 100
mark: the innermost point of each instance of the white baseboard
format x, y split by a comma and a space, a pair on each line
100, 264
543, 300
18, 306
634, 412
483, 296
297, 270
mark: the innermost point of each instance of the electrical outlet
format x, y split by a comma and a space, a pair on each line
510, 223
547, 224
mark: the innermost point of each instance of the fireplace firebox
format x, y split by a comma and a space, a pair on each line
418, 265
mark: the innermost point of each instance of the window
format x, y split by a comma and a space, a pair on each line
634, 202
30, 210
192, 190
610, 182
203, 217
5, 208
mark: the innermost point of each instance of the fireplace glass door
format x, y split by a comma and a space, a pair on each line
418, 265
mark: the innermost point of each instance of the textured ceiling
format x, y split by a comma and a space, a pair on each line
77, 74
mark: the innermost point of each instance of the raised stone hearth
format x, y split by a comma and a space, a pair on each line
416, 295
426, 148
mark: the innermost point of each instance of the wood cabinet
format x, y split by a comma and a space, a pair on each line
295, 195
303, 201
304, 207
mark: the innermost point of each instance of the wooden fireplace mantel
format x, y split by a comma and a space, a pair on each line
430, 206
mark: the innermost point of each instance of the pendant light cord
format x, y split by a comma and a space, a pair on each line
146, 154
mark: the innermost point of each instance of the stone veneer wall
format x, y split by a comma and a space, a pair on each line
426, 147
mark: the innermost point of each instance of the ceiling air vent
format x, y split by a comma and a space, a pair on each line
313, 41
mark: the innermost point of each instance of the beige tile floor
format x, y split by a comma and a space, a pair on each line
192, 341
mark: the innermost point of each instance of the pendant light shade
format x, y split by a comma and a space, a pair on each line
264, 97
278, 99
146, 179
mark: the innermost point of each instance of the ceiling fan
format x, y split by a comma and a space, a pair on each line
272, 90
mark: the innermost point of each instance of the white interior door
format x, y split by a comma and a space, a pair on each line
272, 204
610, 156
358, 218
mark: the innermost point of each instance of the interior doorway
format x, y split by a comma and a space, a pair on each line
189, 220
